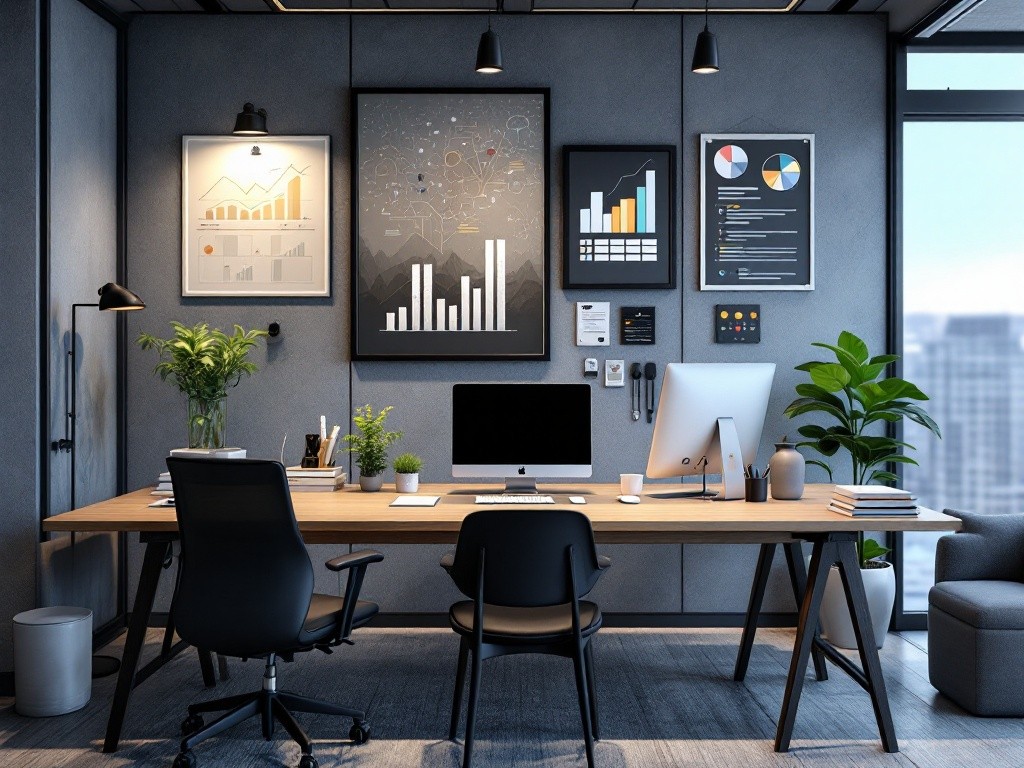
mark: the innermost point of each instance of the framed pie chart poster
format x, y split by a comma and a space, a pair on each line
757, 212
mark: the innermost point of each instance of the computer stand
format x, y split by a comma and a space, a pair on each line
726, 442
520, 485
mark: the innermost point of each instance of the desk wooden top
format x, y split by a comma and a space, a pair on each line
352, 516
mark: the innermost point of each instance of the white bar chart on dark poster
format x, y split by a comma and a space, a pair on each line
757, 212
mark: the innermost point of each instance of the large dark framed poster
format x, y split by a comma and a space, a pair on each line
757, 212
618, 213
450, 224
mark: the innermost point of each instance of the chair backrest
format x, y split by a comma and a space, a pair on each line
246, 579
526, 560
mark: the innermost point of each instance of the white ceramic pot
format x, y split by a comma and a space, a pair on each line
371, 482
880, 587
407, 482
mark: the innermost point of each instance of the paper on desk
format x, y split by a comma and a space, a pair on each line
415, 501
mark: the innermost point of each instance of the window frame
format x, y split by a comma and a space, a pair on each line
929, 106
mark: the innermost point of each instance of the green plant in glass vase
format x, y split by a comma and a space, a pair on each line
204, 363
858, 400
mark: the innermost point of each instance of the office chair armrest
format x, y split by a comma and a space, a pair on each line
361, 558
604, 562
448, 561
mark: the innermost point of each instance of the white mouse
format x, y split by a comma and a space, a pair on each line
626, 499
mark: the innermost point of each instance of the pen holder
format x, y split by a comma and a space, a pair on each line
756, 489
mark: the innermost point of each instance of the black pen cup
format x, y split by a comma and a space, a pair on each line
757, 489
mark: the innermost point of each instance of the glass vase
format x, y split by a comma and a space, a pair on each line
206, 422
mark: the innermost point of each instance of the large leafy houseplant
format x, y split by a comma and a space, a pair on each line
370, 444
857, 399
204, 363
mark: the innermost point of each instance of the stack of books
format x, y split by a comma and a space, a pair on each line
319, 479
163, 485
872, 501
163, 480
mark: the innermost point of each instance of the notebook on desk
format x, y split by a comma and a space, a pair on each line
415, 501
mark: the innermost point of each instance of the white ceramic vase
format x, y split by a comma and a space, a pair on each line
880, 588
407, 482
371, 482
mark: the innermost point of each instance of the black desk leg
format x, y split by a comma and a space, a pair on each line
853, 584
152, 564
823, 556
798, 577
764, 568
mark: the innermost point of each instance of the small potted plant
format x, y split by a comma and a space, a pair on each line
407, 472
204, 363
370, 445
858, 399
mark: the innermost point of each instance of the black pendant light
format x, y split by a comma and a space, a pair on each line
705, 53
488, 52
251, 121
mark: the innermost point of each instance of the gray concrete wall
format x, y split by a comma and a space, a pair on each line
83, 256
19, 376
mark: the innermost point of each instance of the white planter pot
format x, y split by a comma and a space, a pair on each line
407, 482
880, 588
371, 482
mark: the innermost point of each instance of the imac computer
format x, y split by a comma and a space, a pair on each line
710, 417
521, 432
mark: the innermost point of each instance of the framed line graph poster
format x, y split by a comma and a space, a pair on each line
618, 213
255, 216
757, 212
450, 231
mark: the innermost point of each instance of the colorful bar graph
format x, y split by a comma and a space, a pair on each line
295, 198
629, 215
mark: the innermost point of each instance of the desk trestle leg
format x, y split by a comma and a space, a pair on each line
833, 548
798, 578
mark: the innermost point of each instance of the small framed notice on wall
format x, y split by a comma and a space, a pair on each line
757, 212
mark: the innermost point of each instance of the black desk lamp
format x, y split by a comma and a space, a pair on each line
115, 298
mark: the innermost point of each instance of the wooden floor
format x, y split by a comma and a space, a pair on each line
667, 699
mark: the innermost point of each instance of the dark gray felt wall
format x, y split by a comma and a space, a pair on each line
83, 256
613, 79
19, 376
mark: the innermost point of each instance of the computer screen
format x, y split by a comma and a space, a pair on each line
521, 430
694, 397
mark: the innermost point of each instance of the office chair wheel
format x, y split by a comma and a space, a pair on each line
308, 761
192, 724
186, 760
359, 732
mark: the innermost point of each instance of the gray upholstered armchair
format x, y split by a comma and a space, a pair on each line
976, 615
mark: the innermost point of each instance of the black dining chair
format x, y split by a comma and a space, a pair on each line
245, 590
525, 572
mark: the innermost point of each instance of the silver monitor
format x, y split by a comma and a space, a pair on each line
521, 432
710, 417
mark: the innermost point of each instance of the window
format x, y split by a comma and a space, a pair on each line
963, 322
965, 71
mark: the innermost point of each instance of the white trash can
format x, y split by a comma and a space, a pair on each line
52, 660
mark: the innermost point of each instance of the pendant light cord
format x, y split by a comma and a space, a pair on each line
706, 2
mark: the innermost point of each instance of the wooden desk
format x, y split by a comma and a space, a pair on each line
351, 516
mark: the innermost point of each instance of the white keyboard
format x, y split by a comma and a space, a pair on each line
507, 499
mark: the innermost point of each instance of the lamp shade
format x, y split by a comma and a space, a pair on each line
117, 297
705, 54
488, 53
251, 121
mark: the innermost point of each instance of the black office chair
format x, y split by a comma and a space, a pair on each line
246, 589
525, 572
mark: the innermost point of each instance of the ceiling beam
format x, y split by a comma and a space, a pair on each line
211, 6
942, 16
842, 6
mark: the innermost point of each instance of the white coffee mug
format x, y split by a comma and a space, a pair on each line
631, 485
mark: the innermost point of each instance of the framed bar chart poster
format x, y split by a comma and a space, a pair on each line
450, 232
255, 216
757, 212
618, 213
